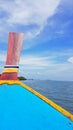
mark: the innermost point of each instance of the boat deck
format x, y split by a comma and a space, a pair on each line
21, 109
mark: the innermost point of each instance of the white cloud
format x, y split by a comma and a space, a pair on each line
44, 63
33, 66
2, 60
36, 12
2, 56
45, 68
70, 60
26, 12
60, 53
34, 61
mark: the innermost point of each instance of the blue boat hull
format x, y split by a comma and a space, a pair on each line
21, 109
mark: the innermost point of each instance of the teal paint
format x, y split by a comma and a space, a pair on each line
20, 109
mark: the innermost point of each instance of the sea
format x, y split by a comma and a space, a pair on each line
60, 92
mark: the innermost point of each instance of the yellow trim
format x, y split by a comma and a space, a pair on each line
9, 70
48, 101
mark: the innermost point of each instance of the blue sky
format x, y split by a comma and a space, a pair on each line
47, 51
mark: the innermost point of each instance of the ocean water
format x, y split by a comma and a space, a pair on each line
61, 92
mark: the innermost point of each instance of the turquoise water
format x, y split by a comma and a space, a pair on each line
22, 110
60, 92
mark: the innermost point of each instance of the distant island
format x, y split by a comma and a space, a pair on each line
22, 78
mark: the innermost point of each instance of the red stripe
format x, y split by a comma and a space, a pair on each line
9, 76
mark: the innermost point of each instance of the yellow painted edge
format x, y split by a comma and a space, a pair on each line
9, 70
48, 101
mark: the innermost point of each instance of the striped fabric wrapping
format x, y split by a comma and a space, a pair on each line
10, 68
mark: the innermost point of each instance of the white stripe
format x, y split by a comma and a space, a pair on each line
11, 65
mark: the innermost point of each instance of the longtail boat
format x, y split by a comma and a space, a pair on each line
21, 107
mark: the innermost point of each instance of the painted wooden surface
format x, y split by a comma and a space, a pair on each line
21, 109
14, 48
13, 56
9, 76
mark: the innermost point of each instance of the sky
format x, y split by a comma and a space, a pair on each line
47, 51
